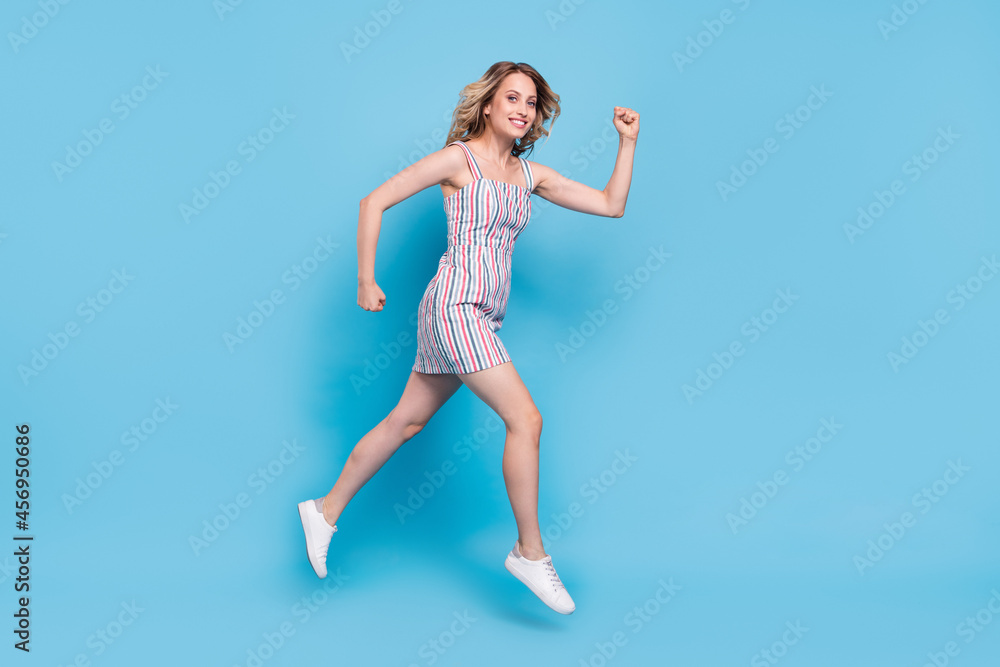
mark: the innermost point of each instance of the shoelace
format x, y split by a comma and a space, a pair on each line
553, 577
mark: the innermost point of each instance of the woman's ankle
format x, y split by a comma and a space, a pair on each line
531, 551
330, 519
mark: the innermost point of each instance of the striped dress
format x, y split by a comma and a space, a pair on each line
465, 302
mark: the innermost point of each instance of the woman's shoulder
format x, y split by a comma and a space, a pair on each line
530, 163
536, 167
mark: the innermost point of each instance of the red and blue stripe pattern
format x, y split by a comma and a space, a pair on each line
464, 305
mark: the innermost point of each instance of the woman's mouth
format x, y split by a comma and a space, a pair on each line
518, 123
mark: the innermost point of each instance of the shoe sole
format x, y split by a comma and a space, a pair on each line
512, 567
305, 532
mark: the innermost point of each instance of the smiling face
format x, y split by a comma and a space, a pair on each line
512, 111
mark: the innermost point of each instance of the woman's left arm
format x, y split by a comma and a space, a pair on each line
610, 201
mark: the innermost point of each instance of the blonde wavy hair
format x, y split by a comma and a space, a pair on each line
469, 122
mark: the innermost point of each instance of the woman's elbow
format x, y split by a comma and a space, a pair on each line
368, 203
611, 208
374, 202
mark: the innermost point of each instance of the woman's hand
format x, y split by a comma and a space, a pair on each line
370, 296
627, 122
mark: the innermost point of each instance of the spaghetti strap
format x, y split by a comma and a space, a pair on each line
529, 178
476, 173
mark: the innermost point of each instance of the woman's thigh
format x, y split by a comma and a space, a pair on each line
501, 388
423, 396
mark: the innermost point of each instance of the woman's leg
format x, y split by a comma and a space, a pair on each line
423, 396
501, 388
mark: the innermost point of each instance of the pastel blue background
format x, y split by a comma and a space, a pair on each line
358, 120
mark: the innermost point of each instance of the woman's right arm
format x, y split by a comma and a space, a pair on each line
432, 169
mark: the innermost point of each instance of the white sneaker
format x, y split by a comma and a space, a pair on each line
540, 576
318, 533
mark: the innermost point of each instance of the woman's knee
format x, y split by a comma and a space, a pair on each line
411, 429
528, 422
404, 427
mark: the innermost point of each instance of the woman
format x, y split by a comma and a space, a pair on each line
487, 187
